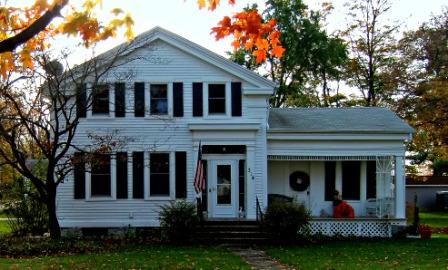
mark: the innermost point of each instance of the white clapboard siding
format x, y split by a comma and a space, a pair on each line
161, 62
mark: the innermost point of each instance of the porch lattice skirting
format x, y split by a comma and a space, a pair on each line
358, 227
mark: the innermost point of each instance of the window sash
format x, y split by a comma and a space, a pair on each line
159, 99
100, 96
159, 176
101, 180
217, 99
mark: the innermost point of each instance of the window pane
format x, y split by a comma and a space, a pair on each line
216, 91
100, 95
159, 99
224, 184
351, 180
159, 174
217, 106
216, 99
100, 176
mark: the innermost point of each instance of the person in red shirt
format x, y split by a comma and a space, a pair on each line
341, 209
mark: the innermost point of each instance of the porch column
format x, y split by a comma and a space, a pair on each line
251, 212
400, 205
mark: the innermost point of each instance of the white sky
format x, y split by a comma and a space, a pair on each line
184, 18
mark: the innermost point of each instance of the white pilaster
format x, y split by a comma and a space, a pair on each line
400, 203
250, 184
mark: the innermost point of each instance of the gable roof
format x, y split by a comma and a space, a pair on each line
195, 50
337, 120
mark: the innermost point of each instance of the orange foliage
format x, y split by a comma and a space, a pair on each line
80, 22
248, 29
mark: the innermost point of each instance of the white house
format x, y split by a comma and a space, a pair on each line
181, 95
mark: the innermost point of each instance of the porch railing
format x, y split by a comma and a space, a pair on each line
259, 211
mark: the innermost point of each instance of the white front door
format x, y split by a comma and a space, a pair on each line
223, 188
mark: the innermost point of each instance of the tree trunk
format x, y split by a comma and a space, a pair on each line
55, 229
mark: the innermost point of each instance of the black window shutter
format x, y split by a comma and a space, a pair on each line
80, 176
330, 180
178, 99
119, 99
139, 99
81, 101
181, 175
197, 99
137, 170
236, 99
122, 175
371, 179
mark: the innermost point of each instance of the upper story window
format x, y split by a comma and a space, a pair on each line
159, 99
216, 99
100, 99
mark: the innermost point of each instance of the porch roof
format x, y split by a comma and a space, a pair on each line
336, 120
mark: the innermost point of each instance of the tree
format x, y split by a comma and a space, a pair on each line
24, 30
311, 57
372, 50
423, 90
41, 124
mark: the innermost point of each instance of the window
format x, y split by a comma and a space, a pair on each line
216, 99
159, 99
159, 174
351, 180
100, 176
100, 95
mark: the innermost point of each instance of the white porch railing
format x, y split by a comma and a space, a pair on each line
358, 227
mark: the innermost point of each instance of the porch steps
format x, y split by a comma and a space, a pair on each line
230, 232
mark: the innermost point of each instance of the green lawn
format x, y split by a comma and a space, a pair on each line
145, 257
4, 227
384, 254
434, 219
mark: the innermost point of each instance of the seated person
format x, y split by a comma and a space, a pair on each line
341, 209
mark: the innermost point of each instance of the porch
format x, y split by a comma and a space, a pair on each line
372, 185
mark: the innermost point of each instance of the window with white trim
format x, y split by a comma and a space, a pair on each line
100, 99
216, 99
100, 176
159, 176
159, 99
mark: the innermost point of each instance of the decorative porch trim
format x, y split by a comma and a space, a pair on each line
358, 227
323, 158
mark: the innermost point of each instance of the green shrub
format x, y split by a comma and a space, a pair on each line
283, 220
178, 221
30, 213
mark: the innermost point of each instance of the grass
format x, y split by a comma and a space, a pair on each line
381, 254
434, 219
4, 227
145, 257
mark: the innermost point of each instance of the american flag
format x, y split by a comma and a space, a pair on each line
199, 179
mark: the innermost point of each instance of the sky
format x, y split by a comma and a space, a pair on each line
184, 18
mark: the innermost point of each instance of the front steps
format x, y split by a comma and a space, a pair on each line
230, 232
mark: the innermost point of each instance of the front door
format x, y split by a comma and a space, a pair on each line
222, 189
